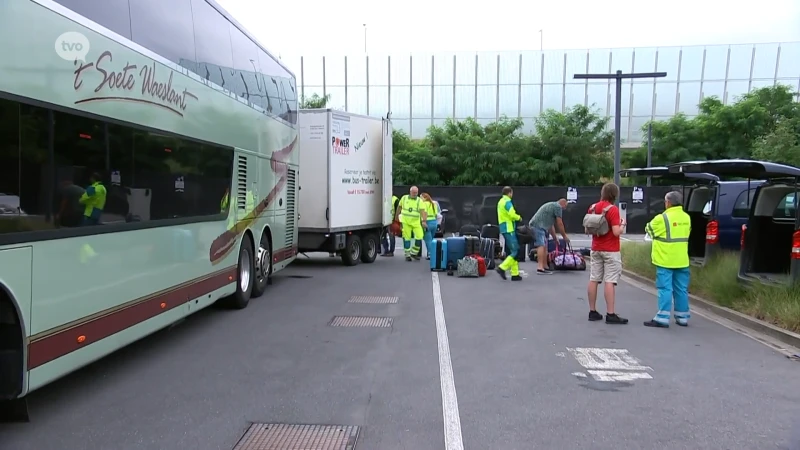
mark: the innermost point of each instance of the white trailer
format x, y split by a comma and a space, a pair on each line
345, 183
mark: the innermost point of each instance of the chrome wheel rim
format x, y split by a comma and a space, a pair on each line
244, 271
355, 250
264, 263
372, 248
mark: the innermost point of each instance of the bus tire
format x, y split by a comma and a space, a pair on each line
263, 266
351, 255
369, 248
244, 275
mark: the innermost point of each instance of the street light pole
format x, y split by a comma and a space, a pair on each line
619, 76
365, 38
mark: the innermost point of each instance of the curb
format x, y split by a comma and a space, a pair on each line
766, 328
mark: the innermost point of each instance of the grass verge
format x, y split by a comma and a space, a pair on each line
717, 281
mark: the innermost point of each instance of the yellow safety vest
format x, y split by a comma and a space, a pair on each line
411, 208
670, 233
506, 215
430, 208
94, 200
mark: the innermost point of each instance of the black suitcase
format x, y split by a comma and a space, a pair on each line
473, 245
490, 231
469, 230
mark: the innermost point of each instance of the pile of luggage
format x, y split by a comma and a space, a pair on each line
470, 254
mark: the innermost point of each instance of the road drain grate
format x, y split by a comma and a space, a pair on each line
360, 321
372, 299
278, 436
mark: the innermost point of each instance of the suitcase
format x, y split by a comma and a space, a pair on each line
456, 249
469, 230
490, 231
481, 265
472, 245
551, 245
439, 255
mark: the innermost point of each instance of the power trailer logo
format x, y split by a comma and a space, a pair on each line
340, 146
72, 46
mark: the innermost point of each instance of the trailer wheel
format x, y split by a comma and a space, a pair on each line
371, 244
244, 276
351, 255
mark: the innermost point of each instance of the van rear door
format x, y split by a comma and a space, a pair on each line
751, 169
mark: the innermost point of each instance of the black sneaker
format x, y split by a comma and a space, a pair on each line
387, 254
654, 324
408, 258
615, 319
595, 316
516, 278
416, 258
501, 272
543, 272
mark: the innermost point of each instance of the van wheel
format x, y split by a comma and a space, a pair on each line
351, 255
370, 250
244, 276
262, 267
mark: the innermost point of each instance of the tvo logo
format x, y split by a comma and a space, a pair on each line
72, 46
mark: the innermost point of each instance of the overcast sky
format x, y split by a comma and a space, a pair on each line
318, 27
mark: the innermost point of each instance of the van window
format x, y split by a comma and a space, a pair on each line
786, 208
742, 206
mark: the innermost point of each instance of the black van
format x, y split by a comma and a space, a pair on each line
718, 209
770, 241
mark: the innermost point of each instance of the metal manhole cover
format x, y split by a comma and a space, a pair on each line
361, 321
279, 436
372, 299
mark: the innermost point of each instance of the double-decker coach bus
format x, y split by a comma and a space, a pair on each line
147, 169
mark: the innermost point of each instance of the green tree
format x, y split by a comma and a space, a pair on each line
781, 145
315, 101
412, 162
718, 131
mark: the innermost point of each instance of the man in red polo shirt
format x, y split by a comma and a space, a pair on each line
606, 261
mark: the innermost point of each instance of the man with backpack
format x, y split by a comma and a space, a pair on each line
603, 223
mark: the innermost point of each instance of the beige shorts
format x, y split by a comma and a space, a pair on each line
605, 266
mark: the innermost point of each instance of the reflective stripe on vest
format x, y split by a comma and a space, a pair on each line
667, 231
410, 207
671, 249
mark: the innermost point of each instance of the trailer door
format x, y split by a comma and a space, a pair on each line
388, 214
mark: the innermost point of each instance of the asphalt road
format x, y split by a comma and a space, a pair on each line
516, 383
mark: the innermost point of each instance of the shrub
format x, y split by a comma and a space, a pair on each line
717, 281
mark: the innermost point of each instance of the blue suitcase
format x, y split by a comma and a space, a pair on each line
438, 254
456, 249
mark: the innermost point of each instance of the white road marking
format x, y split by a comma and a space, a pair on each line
607, 359
452, 420
579, 374
610, 375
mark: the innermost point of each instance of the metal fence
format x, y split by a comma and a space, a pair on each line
424, 90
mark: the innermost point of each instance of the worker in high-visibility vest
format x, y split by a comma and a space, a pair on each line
507, 218
670, 254
413, 218
223, 205
432, 211
389, 237
93, 201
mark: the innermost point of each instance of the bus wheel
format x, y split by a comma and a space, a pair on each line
369, 250
351, 255
263, 267
244, 276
